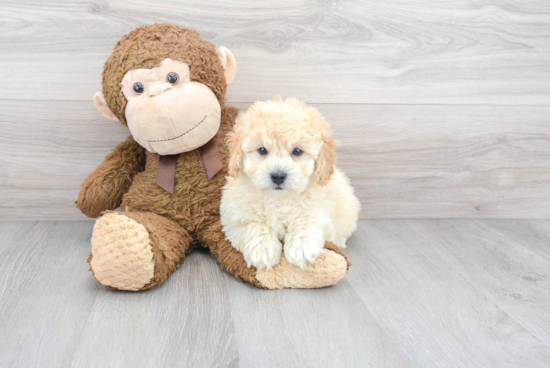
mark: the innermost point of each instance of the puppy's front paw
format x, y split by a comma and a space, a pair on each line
301, 248
262, 252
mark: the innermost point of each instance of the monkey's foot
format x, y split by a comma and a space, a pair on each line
122, 254
329, 268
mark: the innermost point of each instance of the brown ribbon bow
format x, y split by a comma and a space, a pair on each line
166, 170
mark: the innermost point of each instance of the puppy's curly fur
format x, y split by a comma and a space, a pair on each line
284, 187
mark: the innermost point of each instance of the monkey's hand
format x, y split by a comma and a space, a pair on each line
104, 187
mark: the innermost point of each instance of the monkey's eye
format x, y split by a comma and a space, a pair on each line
172, 78
262, 151
297, 152
138, 88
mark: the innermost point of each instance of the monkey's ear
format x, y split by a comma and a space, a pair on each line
101, 106
228, 62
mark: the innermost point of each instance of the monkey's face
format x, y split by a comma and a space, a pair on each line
166, 112
149, 86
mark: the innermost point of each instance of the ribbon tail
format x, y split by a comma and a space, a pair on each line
211, 158
166, 172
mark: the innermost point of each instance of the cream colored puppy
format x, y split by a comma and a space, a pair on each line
284, 187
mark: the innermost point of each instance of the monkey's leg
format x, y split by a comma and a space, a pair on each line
329, 268
136, 250
230, 258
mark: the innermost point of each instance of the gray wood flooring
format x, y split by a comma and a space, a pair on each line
421, 293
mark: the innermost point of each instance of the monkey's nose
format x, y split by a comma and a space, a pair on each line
278, 177
158, 89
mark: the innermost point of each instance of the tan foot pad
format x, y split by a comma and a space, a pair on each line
328, 269
122, 256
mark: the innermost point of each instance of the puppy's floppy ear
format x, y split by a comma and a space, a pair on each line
324, 166
235, 153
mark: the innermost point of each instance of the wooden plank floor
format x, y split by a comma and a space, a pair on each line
437, 293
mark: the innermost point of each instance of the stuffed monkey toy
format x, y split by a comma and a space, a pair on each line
168, 85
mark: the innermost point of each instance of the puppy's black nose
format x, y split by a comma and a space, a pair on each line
278, 177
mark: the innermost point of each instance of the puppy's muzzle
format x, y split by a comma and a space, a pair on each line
278, 177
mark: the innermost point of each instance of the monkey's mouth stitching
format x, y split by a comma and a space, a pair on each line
181, 135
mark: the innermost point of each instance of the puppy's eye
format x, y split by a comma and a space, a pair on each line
262, 151
297, 152
172, 78
138, 88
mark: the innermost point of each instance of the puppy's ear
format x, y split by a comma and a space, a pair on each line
324, 166
235, 153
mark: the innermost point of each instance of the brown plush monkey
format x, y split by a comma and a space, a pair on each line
168, 85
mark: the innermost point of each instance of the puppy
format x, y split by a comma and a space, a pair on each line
284, 187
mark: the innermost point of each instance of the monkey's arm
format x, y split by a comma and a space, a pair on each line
104, 187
